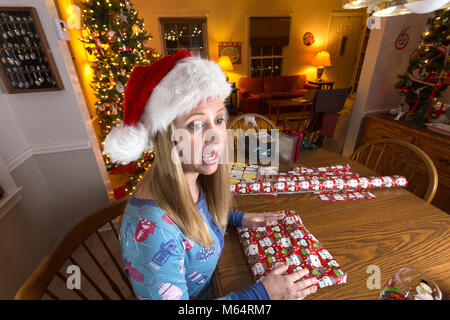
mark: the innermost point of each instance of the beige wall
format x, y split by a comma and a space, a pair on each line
45, 146
382, 65
228, 21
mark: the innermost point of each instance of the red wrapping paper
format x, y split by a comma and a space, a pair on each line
344, 195
308, 184
288, 241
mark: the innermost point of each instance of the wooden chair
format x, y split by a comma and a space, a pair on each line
95, 251
324, 117
302, 116
244, 120
247, 123
396, 157
299, 120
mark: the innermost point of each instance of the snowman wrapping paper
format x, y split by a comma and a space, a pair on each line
288, 241
335, 183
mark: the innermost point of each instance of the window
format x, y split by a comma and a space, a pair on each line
184, 33
268, 35
266, 61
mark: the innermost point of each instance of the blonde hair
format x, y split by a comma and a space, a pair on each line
169, 189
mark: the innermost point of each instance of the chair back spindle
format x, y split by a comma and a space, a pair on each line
396, 157
93, 246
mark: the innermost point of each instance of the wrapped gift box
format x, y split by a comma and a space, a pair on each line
288, 241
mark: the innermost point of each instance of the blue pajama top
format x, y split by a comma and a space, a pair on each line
162, 263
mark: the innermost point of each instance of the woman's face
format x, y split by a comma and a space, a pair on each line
204, 133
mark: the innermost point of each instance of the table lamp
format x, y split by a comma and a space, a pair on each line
225, 64
321, 60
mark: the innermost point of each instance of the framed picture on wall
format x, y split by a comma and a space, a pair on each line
26, 61
231, 49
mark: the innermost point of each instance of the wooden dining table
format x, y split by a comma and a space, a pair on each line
392, 231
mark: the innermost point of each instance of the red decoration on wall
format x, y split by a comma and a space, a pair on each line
308, 39
402, 39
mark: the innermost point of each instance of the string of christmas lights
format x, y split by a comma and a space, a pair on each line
428, 73
115, 39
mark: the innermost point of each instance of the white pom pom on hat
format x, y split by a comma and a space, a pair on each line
126, 143
158, 93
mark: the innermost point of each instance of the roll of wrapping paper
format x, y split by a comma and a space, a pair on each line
310, 184
242, 173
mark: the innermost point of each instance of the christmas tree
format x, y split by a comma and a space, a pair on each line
427, 75
115, 38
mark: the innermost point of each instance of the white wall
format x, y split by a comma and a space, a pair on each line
46, 143
382, 64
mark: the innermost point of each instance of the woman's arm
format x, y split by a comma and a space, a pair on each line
154, 262
235, 217
256, 291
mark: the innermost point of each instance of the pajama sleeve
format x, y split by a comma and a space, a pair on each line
156, 270
256, 291
155, 267
235, 217
161, 263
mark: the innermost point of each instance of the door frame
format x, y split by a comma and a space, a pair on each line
346, 13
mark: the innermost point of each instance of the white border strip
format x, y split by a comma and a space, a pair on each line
45, 149
9, 202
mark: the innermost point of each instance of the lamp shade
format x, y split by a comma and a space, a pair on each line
322, 59
426, 6
225, 63
357, 4
392, 11
388, 8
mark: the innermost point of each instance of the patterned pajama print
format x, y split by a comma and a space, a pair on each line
162, 263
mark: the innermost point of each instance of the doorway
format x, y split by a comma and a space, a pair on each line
345, 37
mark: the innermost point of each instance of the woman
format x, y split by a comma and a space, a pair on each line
172, 230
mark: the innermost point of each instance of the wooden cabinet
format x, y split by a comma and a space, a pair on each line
436, 146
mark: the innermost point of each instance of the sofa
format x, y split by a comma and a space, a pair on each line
254, 92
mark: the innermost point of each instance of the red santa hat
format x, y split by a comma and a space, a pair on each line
156, 94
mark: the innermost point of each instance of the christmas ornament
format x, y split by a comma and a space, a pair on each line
123, 18
102, 107
402, 109
136, 29
124, 51
308, 39
112, 36
99, 45
402, 39
119, 87
114, 108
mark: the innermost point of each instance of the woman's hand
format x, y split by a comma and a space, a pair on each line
260, 219
285, 287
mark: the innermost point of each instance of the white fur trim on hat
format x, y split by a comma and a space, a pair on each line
190, 81
126, 143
